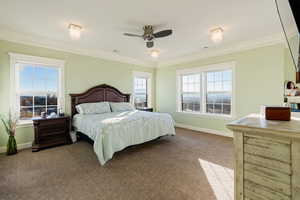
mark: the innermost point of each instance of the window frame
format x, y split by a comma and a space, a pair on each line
16, 58
181, 92
148, 76
203, 88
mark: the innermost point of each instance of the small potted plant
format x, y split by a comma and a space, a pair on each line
10, 125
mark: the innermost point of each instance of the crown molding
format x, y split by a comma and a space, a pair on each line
34, 40
242, 46
28, 39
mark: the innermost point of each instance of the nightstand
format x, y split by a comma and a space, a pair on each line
50, 132
145, 109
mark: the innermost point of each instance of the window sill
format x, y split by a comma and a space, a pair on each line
24, 123
207, 115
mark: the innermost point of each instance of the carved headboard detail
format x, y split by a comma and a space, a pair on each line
97, 94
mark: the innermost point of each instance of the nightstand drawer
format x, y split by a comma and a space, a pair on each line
51, 133
51, 121
48, 129
54, 139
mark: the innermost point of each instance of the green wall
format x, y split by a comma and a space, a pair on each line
81, 73
259, 80
260, 74
290, 70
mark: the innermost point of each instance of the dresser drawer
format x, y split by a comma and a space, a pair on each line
267, 148
258, 192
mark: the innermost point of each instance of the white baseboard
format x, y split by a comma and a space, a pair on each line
179, 125
19, 146
204, 130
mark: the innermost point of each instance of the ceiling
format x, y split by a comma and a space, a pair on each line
104, 22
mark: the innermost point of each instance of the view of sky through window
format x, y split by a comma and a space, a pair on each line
140, 92
38, 79
211, 90
218, 92
38, 90
191, 92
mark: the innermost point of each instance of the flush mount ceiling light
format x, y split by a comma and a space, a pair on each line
154, 53
217, 35
75, 31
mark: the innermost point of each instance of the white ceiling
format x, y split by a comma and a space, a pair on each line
104, 22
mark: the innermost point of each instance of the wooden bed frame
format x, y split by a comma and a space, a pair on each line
98, 93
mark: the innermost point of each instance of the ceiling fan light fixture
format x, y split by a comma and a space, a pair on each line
154, 53
217, 35
149, 35
75, 31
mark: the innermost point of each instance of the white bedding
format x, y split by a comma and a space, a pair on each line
112, 132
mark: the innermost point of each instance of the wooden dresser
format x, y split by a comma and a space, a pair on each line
51, 132
267, 158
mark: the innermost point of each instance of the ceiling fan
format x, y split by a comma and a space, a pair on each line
149, 35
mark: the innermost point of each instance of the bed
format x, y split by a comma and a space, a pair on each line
113, 131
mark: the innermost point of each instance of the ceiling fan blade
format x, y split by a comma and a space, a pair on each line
132, 35
150, 44
163, 33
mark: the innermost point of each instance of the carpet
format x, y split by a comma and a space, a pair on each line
188, 166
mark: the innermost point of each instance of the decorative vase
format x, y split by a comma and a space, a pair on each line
11, 146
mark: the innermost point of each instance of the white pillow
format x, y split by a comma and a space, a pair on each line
119, 107
93, 108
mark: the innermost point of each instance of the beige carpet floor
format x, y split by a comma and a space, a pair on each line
191, 165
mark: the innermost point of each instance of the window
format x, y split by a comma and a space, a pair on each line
140, 92
206, 90
142, 89
37, 86
191, 94
218, 91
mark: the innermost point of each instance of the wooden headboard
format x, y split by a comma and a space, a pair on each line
97, 94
